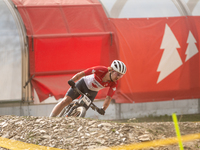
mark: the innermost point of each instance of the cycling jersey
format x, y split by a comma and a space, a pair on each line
94, 80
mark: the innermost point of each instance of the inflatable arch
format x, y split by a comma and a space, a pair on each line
157, 40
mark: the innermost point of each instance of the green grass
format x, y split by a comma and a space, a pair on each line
165, 118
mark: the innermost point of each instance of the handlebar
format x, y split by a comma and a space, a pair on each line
94, 107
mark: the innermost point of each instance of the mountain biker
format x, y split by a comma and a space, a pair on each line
91, 81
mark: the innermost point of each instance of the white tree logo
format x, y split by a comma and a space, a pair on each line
170, 60
192, 48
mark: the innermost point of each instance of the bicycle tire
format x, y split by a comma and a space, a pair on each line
79, 112
66, 109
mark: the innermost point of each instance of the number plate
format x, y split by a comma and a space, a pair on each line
86, 100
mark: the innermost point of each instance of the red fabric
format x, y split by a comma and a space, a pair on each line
53, 54
59, 17
31, 3
69, 36
65, 37
140, 48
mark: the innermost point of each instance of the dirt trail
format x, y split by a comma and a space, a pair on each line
82, 134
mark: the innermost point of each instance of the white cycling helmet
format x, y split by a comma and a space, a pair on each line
119, 66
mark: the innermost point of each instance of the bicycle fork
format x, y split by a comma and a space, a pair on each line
71, 109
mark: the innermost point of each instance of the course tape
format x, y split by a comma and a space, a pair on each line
155, 143
18, 145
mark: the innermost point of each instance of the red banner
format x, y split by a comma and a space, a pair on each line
162, 56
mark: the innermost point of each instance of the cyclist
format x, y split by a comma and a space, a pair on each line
91, 81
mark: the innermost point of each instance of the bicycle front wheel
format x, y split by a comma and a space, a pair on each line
66, 109
79, 112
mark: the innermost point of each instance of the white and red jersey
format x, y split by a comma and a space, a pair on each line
93, 80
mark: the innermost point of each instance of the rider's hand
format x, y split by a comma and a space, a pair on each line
101, 111
71, 83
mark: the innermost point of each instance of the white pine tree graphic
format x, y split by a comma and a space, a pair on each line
170, 60
192, 48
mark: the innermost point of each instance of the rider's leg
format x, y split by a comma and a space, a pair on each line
70, 95
57, 109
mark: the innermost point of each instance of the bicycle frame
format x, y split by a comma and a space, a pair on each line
83, 101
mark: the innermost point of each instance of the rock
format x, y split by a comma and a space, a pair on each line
100, 125
106, 124
4, 124
6, 135
91, 122
144, 138
42, 131
80, 128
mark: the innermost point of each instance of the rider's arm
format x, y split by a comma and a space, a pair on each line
107, 102
111, 92
78, 76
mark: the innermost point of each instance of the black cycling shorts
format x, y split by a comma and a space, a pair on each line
83, 88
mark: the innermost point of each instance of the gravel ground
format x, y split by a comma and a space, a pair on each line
86, 134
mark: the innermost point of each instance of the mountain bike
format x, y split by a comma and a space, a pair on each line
78, 108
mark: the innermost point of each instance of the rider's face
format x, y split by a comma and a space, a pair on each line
116, 75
